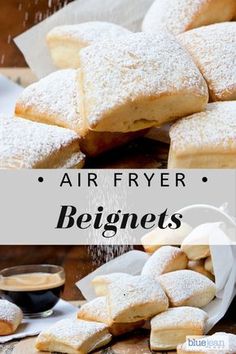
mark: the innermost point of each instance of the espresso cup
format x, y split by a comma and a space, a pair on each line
36, 289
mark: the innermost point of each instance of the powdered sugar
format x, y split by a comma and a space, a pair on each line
179, 317
175, 15
212, 130
138, 290
54, 98
161, 261
26, 144
89, 32
72, 332
95, 310
135, 67
9, 312
214, 50
186, 287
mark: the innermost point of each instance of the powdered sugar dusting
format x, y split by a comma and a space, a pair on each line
214, 50
72, 332
183, 285
138, 65
175, 15
95, 310
89, 32
26, 144
159, 262
9, 312
214, 129
126, 293
55, 97
179, 317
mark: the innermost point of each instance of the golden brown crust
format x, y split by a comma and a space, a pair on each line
10, 317
198, 266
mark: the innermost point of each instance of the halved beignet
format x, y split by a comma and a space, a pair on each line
166, 259
101, 282
138, 81
65, 42
213, 48
73, 336
205, 140
10, 317
97, 310
55, 100
135, 299
187, 288
170, 328
198, 266
158, 237
26, 144
182, 15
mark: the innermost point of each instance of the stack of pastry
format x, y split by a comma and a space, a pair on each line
115, 84
174, 287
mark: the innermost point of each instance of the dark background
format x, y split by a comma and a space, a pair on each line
16, 16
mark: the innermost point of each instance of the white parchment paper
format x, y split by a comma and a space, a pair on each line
32, 43
224, 263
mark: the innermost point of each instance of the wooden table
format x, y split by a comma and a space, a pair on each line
134, 343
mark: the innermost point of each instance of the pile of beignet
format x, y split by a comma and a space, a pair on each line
115, 85
170, 295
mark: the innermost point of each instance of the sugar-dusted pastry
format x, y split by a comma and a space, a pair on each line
170, 328
101, 282
158, 237
198, 266
213, 49
138, 81
166, 259
10, 317
97, 310
55, 100
224, 339
205, 140
73, 336
182, 15
25, 144
187, 288
135, 299
209, 265
65, 42
197, 244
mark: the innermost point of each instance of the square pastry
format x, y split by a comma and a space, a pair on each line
138, 81
73, 336
205, 140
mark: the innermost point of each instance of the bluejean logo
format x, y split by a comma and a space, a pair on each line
216, 342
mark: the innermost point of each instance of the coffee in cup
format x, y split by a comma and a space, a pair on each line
36, 289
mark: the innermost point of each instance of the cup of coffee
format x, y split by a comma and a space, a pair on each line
36, 289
